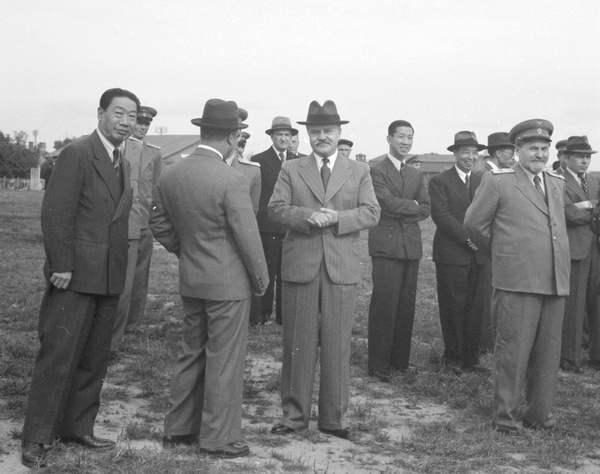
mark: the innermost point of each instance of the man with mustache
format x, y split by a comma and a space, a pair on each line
84, 226
518, 214
323, 200
459, 264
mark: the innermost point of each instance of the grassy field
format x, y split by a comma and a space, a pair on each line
428, 420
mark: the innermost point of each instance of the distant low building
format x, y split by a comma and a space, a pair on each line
174, 147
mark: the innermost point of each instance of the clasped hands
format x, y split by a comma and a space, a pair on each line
323, 218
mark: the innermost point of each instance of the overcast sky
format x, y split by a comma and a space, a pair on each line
444, 66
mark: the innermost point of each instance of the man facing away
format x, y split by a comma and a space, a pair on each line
519, 215
271, 233
84, 226
202, 213
323, 201
146, 165
395, 248
459, 265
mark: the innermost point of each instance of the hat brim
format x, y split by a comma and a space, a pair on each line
583, 152
293, 130
479, 146
337, 122
199, 123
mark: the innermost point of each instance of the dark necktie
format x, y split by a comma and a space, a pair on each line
282, 156
117, 162
468, 186
538, 186
584, 184
325, 172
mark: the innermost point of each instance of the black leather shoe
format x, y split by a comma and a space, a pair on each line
233, 450
32, 454
344, 434
89, 441
170, 442
280, 429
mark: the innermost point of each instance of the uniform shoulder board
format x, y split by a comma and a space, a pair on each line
135, 139
555, 175
153, 146
502, 171
247, 162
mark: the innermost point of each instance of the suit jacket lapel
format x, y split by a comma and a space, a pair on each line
339, 174
526, 187
458, 185
574, 186
553, 192
273, 161
394, 176
104, 166
309, 172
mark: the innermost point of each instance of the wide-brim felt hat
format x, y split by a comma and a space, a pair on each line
499, 140
465, 138
579, 145
320, 115
220, 114
281, 123
531, 129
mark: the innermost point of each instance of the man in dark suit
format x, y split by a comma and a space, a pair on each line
84, 226
580, 199
502, 156
501, 151
395, 248
146, 164
203, 214
458, 262
271, 233
323, 200
519, 215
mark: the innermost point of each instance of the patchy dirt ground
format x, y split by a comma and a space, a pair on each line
310, 451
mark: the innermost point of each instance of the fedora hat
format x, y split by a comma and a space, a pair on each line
220, 114
579, 145
327, 114
281, 123
465, 138
499, 140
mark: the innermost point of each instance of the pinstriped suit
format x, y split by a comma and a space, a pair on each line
84, 225
584, 257
202, 213
320, 271
395, 247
